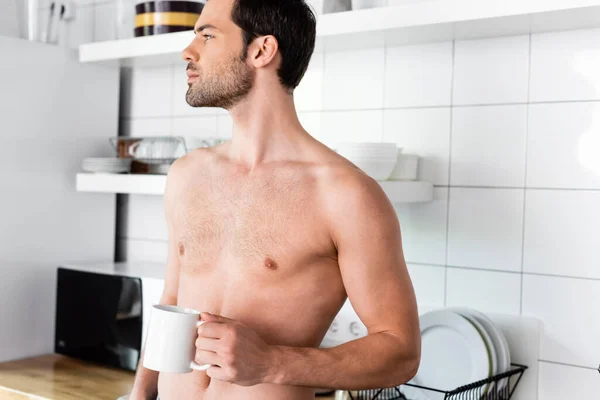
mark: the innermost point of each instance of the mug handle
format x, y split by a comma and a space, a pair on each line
194, 365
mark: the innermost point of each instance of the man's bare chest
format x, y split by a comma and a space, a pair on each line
271, 225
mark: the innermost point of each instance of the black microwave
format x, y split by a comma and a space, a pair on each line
102, 311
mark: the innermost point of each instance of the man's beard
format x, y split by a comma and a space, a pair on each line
223, 87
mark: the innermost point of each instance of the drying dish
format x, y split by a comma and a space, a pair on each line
453, 353
497, 338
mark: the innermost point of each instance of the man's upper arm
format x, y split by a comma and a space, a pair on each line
366, 231
171, 287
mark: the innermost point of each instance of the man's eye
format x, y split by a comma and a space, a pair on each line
207, 37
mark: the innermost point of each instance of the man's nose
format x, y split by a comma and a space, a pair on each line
189, 54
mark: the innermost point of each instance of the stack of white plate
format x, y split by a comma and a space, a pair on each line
459, 346
376, 159
107, 165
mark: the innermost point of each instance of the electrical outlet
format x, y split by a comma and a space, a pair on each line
346, 326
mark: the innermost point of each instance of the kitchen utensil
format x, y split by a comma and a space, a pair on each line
51, 35
453, 354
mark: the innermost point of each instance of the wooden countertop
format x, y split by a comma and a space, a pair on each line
56, 377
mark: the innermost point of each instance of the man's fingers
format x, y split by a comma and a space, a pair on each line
208, 317
212, 330
206, 357
207, 344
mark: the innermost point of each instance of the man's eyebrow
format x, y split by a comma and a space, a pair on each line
203, 27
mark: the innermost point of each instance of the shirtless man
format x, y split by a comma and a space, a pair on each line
272, 231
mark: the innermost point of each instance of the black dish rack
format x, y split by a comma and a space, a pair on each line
473, 391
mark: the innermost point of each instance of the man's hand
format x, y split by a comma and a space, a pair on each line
238, 354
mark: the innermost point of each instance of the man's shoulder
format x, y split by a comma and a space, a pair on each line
191, 166
342, 183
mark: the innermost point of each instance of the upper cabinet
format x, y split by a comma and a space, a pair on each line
414, 22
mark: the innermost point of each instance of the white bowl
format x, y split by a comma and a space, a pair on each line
407, 168
376, 169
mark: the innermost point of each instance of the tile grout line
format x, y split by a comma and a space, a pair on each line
479, 269
525, 177
567, 364
449, 173
518, 188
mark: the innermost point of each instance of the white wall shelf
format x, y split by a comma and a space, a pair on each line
397, 191
416, 22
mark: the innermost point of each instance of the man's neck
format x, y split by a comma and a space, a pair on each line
265, 129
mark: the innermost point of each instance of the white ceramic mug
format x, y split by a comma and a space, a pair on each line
171, 340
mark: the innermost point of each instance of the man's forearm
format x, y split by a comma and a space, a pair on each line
376, 361
146, 383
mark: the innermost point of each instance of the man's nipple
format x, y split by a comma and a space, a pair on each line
270, 264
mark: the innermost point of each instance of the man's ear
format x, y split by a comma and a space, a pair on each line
263, 50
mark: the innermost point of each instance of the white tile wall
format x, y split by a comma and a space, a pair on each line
488, 71
151, 93
354, 80
9, 19
142, 250
205, 127
562, 233
148, 214
425, 132
224, 126
485, 228
560, 382
419, 75
569, 308
107, 30
428, 282
145, 127
488, 146
308, 96
565, 66
351, 126
497, 292
311, 121
423, 228
563, 144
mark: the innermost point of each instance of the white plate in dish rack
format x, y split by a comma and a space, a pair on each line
474, 317
497, 337
453, 354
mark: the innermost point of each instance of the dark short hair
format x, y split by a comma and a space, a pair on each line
293, 24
